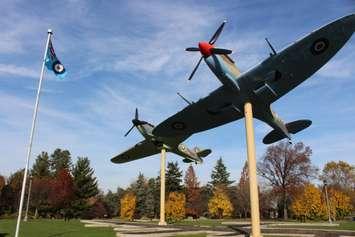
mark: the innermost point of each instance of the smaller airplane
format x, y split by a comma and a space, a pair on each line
153, 145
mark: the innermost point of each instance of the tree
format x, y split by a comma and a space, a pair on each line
220, 206
150, 199
41, 167
128, 206
309, 204
175, 207
15, 182
339, 175
140, 189
243, 191
173, 178
84, 181
111, 199
340, 204
62, 190
193, 193
60, 159
220, 175
285, 167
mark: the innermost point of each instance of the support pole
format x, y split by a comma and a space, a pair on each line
34, 118
253, 179
28, 200
327, 200
162, 186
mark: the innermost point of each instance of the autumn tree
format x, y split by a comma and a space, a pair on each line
339, 175
112, 200
173, 178
243, 192
175, 207
285, 167
2, 182
309, 204
220, 175
220, 206
40, 191
192, 190
60, 159
15, 185
62, 190
41, 166
128, 206
340, 204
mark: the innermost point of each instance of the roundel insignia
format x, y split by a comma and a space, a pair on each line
178, 125
319, 46
58, 67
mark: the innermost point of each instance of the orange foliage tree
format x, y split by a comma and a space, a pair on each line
309, 204
220, 206
175, 207
340, 204
128, 206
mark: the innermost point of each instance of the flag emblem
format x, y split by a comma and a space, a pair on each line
53, 63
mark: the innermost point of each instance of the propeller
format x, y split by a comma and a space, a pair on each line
207, 48
135, 122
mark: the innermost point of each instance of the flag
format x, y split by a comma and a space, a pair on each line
53, 63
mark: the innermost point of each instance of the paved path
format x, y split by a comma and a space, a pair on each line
134, 229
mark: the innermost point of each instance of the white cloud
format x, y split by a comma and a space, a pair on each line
16, 70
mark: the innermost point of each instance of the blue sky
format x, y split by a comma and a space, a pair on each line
126, 54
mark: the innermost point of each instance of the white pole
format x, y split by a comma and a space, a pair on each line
253, 178
162, 186
31, 137
28, 200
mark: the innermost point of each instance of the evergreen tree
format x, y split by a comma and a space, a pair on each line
60, 159
140, 189
220, 176
111, 200
41, 167
150, 199
84, 181
173, 178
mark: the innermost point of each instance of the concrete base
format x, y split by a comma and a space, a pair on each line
162, 223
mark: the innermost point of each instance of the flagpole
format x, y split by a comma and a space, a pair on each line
31, 136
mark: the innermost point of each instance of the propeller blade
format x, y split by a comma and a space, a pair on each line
129, 131
220, 51
136, 114
193, 72
217, 33
192, 49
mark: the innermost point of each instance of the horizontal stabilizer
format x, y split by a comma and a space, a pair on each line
293, 127
204, 152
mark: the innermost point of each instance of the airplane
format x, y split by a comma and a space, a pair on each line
152, 145
261, 85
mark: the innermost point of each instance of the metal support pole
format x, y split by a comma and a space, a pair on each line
162, 186
253, 179
28, 199
34, 118
327, 200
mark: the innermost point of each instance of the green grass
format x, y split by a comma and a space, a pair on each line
52, 228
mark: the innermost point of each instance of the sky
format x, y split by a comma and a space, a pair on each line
120, 55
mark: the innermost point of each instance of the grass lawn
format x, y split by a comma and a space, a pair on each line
343, 225
52, 228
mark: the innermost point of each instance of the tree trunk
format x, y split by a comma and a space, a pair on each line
285, 207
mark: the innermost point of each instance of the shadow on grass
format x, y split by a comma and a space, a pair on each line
59, 234
3, 234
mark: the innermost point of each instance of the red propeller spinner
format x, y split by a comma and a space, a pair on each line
207, 48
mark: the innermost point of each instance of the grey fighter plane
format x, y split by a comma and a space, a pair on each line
261, 85
152, 145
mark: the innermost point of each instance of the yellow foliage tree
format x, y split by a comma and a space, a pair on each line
128, 206
309, 205
175, 207
340, 204
220, 205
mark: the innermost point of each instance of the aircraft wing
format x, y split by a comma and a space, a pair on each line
212, 111
140, 150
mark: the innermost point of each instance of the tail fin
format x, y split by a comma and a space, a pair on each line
292, 127
204, 152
